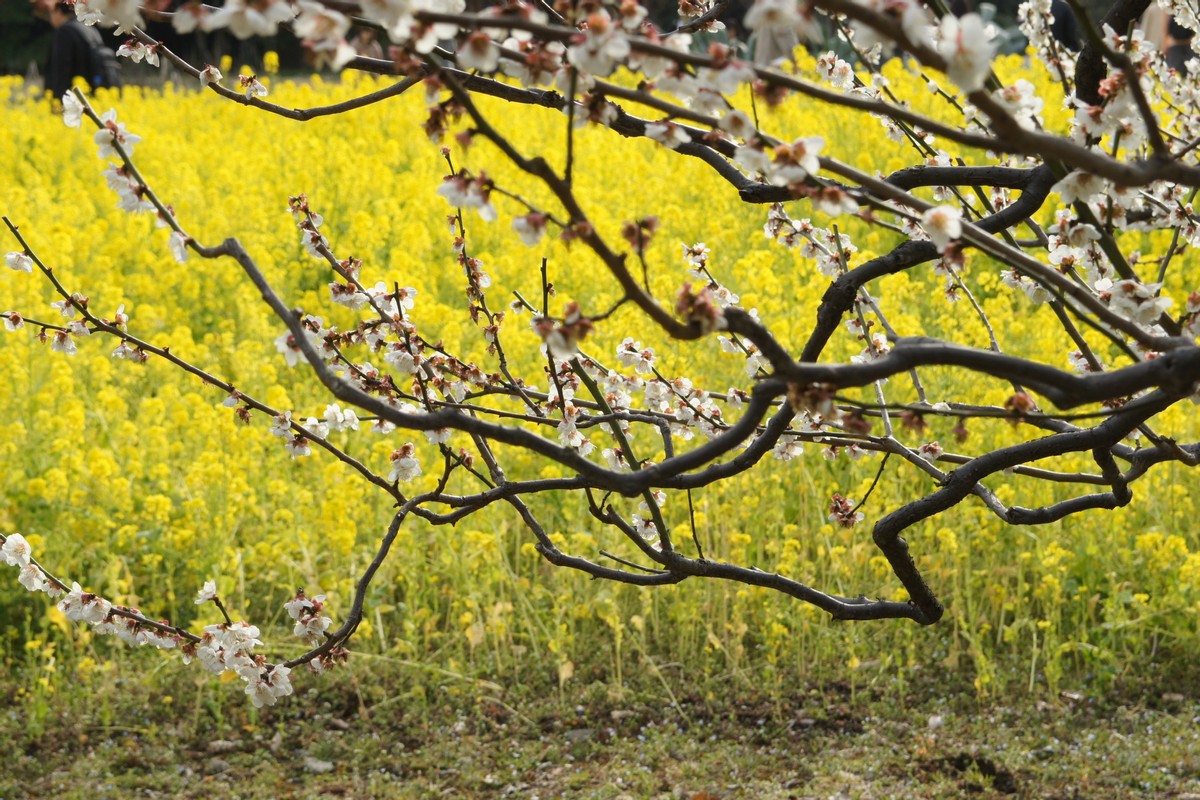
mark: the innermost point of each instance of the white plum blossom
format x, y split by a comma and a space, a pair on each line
339, 419
405, 466
464, 191
930, 451
62, 342
647, 530
210, 74
112, 134
1080, 363
668, 134
126, 353
1021, 100
438, 435
13, 321
397, 18
177, 243
752, 159
696, 257
348, 295
130, 192
967, 47
1134, 300
943, 224
19, 262
796, 161
281, 425
248, 19
316, 428
402, 357
16, 550
615, 459
80, 606
33, 579
1032, 289
310, 622
123, 13
269, 686
632, 354
478, 52
286, 345
530, 227
323, 31
737, 123
783, 17
1080, 186
72, 110
207, 593
787, 448
252, 86
602, 46
138, 52
877, 348
838, 72
187, 17
392, 303
234, 637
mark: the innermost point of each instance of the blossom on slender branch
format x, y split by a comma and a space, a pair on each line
632, 354
323, 32
72, 110
842, 512
124, 13
248, 19
600, 47
667, 133
530, 227
251, 86
967, 47
207, 593
15, 550
478, 52
138, 52
783, 17
405, 466
19, 262
943, 224
311, 624
62, 342
80, 606
178, 244
113, 134
209, 74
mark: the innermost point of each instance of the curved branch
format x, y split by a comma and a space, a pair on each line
963, 481
1176, 372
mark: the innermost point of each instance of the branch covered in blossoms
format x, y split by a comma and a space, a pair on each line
998, 202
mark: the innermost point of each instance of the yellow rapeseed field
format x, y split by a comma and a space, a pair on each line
136, 482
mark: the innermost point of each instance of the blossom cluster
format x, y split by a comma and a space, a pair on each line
221, 647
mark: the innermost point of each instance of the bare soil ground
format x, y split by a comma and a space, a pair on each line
364, 735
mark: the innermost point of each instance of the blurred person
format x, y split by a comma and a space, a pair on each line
1170, 38
366, 43
1065, 29
1154, 26
77, 51
1177, 46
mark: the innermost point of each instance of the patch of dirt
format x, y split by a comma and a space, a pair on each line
1001, 779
